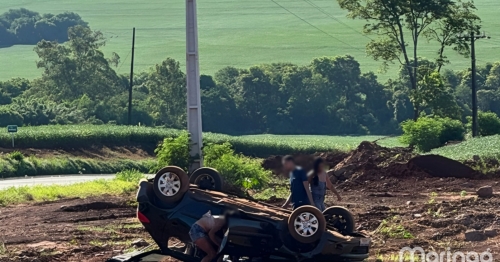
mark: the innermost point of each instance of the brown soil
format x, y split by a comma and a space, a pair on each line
136, 152
391, 192
95, 229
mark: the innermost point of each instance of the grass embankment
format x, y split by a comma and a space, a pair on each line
124, 183
17, 165
83, 136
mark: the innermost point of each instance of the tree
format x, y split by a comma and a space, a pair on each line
434, 95
399, 22
166, 98
77, 67
22, 26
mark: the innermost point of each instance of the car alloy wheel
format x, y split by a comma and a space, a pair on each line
169, 184
306, 224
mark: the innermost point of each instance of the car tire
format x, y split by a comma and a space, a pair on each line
313, 229
206, 178
170, 184
340, 218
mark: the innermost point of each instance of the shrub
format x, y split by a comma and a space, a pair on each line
16, 155
130, 176
488, 123
235, 169
174, 152
453, 130
427, 133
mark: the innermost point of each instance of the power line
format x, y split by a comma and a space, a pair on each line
334, 18
317, 28
120, 66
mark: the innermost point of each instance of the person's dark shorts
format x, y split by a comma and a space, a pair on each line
299, 204
196, 232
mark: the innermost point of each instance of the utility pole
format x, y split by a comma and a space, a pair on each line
473, 37
193, 85
131, 80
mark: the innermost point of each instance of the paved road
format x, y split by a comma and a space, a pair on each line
50, 180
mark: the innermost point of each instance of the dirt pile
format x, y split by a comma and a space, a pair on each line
371, 162
370, 159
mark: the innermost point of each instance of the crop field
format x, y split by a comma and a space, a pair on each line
485, 147
231, 33
75, 136
261, 146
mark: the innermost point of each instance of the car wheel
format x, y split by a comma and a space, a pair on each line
340, 218
206, 178
170, 184
306, 224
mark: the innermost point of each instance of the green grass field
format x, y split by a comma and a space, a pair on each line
231, 33
81, 136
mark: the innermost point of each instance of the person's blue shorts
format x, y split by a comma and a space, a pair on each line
196, 232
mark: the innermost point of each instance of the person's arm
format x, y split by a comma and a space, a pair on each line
332, 188
305, 180
287, 202
308, 191
218, 225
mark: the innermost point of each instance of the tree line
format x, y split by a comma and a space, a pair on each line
330, 95
25, 27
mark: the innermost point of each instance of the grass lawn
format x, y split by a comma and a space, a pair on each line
231, 33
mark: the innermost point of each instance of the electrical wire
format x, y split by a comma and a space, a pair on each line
317, 28
334, 18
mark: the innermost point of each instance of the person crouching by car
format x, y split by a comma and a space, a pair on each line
300, 195
203, 231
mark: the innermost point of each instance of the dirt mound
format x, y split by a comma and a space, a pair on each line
372, 162
439, 166
372, 159
273, 163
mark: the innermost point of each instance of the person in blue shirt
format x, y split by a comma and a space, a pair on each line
300, 195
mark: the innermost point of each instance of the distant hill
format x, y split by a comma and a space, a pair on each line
231, 33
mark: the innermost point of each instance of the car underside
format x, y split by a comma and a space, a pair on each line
254, 230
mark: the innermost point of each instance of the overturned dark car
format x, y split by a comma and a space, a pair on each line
174, 201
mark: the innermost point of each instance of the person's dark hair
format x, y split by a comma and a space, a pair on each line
288, 158
317, 164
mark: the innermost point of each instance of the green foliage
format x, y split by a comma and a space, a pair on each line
427, 133
488, 123
235, 169
83, 136
395, 23
130, 176
485, 147
17, 195
392, 228
16, 155
25, 27
174, 152
17, 165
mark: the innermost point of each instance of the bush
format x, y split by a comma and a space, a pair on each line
427, 133
488, 123
174, 152
130, 176
235, 169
